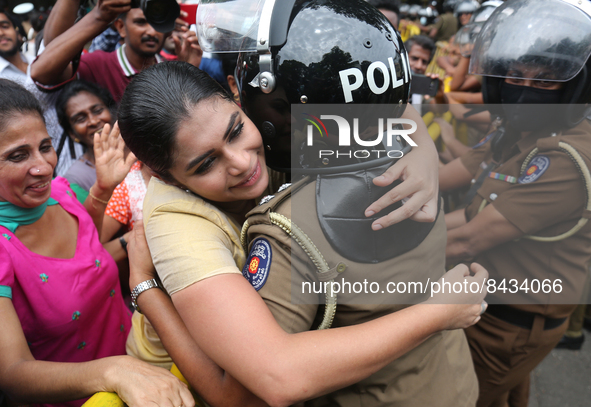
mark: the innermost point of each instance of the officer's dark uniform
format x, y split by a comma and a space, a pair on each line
537, 81
546, 198
438, 372
319, 62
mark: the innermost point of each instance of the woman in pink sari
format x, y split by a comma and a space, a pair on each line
60, 299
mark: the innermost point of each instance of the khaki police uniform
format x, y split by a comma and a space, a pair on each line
438, 372
447, 26
546, 199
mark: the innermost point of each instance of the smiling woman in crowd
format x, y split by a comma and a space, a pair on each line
60, 299
84, 108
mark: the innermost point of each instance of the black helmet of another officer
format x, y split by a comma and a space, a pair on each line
334, 52
547, 41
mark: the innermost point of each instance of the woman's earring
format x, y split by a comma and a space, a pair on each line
77, 140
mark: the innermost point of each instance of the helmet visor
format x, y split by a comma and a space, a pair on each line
229, 25
524, 39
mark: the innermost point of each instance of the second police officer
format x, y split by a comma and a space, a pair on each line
527, 212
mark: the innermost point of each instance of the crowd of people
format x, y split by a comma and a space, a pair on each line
161, 209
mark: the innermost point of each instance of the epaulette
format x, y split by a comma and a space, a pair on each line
265, 214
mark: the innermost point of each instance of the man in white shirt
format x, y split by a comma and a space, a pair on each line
13, 63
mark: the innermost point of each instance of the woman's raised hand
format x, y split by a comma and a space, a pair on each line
140, 384
111, 164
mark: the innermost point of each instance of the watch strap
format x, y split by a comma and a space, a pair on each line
140, 288
123, 243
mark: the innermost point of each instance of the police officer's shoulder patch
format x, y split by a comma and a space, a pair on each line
537, 166
258, 263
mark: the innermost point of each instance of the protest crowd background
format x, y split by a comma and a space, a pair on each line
139, 156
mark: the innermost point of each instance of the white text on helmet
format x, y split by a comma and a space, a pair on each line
352, 78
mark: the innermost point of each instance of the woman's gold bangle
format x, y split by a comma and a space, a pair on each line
97, 199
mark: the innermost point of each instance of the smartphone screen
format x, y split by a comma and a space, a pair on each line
423, 85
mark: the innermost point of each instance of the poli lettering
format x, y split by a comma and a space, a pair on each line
352, 78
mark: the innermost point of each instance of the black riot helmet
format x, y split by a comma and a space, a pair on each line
550, 38
306, 52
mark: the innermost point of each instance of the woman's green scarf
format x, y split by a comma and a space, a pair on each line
12, 216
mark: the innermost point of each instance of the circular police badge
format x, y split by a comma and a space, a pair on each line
256, 268
537, 166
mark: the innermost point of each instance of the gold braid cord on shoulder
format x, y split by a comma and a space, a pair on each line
313, 253
583, 170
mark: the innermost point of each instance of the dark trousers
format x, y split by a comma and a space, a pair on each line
505, 354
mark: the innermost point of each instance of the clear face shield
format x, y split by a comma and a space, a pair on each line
230, 26
524, 39
245, 26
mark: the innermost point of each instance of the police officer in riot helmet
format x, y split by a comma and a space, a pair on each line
344, 56
557, 62
530, 180
328, 73
464, 11
404, 10
371, 67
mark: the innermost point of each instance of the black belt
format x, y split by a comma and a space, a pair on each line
522, 319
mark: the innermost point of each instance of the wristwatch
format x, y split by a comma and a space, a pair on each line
140, 288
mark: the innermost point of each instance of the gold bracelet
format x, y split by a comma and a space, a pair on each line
97, 199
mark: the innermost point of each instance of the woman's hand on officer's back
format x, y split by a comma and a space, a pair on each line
419, 187
460, 307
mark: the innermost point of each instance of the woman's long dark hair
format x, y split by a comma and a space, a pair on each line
14, 100
156, 103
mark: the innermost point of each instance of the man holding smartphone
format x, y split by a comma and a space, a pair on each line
420, 49
114, 70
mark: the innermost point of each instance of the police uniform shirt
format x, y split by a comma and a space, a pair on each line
447, 26
437, 372
547, 199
